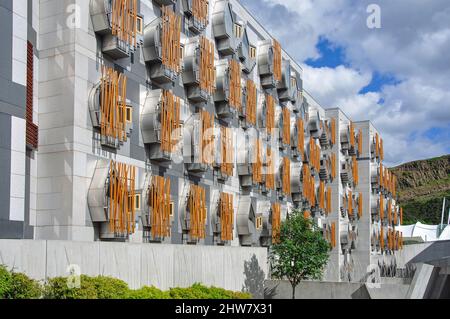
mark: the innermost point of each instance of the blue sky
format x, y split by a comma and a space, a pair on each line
396, 76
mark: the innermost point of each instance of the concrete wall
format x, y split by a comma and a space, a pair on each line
163, 266
315, 290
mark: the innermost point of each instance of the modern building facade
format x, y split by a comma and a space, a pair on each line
178, 122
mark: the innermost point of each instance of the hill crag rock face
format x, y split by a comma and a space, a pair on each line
422, 186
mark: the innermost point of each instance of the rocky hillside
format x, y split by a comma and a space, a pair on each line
422, 186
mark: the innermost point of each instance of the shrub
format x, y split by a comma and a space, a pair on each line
198, 291
110, 288
5, 282
148, 293
57, 288
23, 287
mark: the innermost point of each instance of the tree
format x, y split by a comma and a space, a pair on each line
300, 253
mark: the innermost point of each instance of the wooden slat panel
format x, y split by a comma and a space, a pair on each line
355, 171
124, 21
314, 154
159, 204
200, 11
286, 178
197, 211
328, 205
360, 142
286, 126
322, 195
121, 198
309, 188
258, 163
207, 68
171, 35
113, 104
170, 121
31, 131
350, 203
276, 222
333, 131
227, 151
352, 135
270, 113
277, 74
301, 137
333, 165
207, 137
360, 205
333, 234
381, 207
226, 216
270, 169
235, 99
251, 101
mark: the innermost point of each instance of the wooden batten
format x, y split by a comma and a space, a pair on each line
227, 151
286, 126
113, 93
328, 204
355, 171
200, 11
207, 68
277, 73
251, 100
333, 131
276, 222
170, 39
322, 195
170, 121
159, 205
207, 137
122, 198
124, 21
352, 135
226, 216
360, 142
258, 163
301, 137
333, 165
197, 212
381, 207
270, 169
360, 205
235, 99
309, 192
286, 178
270, 113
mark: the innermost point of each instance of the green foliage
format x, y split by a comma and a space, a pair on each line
147, 293
23, 287
424, 210
5, 282
301, 252
19, 286
58, 288
110, 288
198, 291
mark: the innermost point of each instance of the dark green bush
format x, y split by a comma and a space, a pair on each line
110, 288
5, 282
57, 288
23, 287
148, 293
198, 291
19, 286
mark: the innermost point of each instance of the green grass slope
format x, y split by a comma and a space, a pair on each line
422, 186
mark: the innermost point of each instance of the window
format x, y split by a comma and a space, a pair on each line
137, 202
252, 52
293, 82
237, 30
129, 114
181, 52
172, 209
259, 222
140, 25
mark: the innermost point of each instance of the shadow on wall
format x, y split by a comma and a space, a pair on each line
254, 278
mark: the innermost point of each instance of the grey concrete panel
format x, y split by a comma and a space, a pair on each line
6, 48
26, 256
